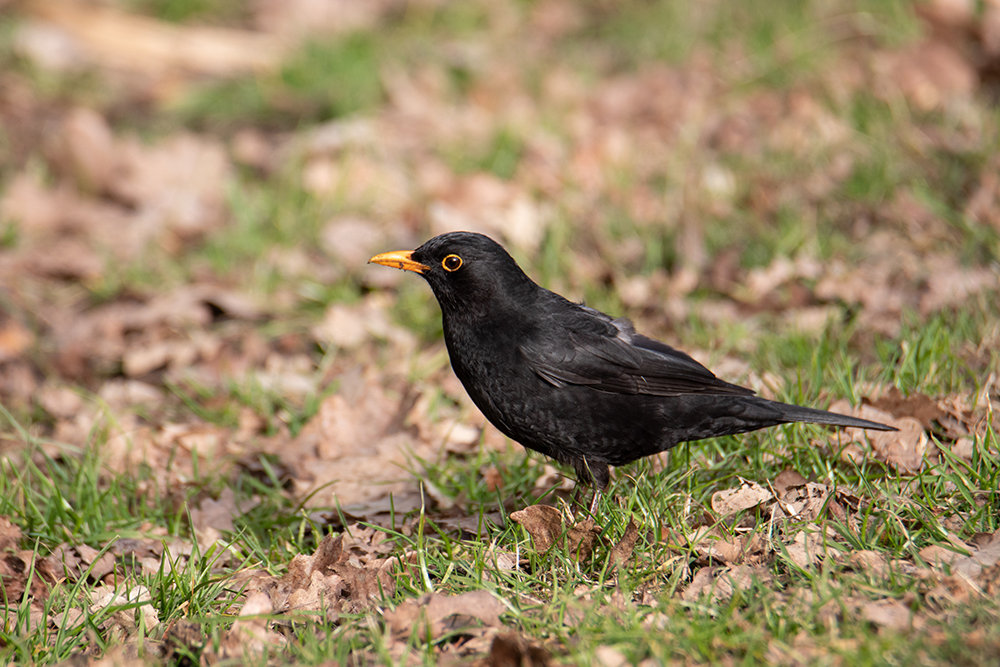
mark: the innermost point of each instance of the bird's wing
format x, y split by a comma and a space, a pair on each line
586, 347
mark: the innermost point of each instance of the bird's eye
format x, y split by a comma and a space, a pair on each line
451, 263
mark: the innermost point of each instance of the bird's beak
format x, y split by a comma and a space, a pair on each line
400, 259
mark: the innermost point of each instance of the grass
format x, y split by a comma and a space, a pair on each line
577, 609
545, 594
53, 499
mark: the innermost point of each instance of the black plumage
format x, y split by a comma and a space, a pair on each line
569, 381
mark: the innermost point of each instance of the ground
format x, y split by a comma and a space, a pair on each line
224, 439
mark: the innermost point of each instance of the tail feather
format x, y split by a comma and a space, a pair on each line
798, 413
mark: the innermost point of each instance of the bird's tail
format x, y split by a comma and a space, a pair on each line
798, 413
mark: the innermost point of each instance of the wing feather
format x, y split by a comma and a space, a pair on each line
586, 347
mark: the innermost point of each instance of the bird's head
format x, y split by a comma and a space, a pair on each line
466, 271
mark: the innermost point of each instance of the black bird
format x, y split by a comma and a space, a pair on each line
569, 381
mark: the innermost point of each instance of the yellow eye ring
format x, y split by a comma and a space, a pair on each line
451, 263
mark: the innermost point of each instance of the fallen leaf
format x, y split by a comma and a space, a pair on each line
125, 622
622, 551
355, 450
298, 19
870, 562
248, 638
890, 614
580, 539
123, 41
215, 514
805, 502
905, 450
15, 338
984, 555
59, 401
723, 582
609, 656
747, 496
331, 580
931, 74
785, 480
434, 614
711, 543
921, 407
543, 523
738, 578
809, 546
9, 534
351, 240
510, 649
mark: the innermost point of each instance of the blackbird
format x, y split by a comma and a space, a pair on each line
569, 381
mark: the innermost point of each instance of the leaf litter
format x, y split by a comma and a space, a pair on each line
113, 368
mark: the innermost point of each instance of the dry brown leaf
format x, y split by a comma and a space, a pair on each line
434, 614
738, 578
249, 637
555, 480
810, 545
906, 450
786, 480
805, 502
931, 74
18, 385
984, 204
215, 514
747, 496
504, 560
890, 614
700, 584
124, 623
178, 185
723, 582
921, 407
352, 240
64, 259
543, 523
953, 590
299, 18
85, 149
365, 180
483, 202
21, 568
127, 42
580, 539
59, 401
348, 326
949, 283
609, 656
330, 580
182, 637
984, 555
354, 450
15, 338
510, 649
870, 562
9, 535
712, 543
622, 551
492, 478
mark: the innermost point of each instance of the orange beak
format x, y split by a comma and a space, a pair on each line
400, 259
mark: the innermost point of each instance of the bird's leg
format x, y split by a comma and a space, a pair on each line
598, 475
595, 500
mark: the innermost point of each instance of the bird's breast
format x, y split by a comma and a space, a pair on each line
488, 361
